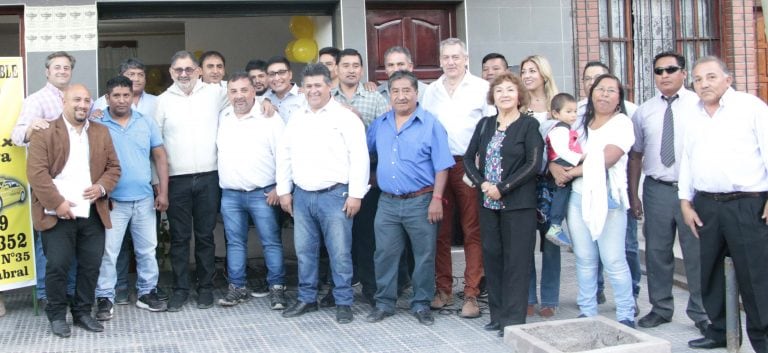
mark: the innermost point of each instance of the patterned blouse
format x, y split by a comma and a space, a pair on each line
493, 168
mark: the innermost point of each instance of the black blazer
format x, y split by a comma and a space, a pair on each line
521, 154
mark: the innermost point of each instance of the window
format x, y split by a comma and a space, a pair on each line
632, 32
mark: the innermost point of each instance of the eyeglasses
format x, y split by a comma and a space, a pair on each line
669, 69
277, 73
602, 90
187, 70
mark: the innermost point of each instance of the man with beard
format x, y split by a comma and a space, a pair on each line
257, 73
72, 166
187, 118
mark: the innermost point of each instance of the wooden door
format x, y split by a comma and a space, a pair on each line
762, 55
419, 27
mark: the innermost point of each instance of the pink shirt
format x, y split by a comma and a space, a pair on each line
44, 104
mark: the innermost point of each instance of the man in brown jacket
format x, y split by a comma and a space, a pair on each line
71, 167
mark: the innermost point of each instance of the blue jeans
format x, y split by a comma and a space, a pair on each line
236, 207
318, 215
399, 221
609, 248
141, 216
550, 273
633, 258
40, 261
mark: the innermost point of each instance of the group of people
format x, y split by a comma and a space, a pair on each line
373, 175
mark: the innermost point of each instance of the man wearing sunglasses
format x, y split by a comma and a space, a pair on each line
660, 125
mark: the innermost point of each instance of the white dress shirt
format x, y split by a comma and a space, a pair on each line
78, 167
459, 113
649, 126
323, 148
247, 149
292, 102
188, 124
728, 151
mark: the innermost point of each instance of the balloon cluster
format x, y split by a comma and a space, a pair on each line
304, 48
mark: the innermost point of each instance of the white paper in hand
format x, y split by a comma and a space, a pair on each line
73, 192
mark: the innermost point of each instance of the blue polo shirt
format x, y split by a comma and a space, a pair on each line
409, 158
133, 144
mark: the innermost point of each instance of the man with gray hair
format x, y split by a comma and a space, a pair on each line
723, 190
458, 100
323, 153
143, 102
395, 59
187, 116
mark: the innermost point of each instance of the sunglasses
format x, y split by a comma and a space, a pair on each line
669, 69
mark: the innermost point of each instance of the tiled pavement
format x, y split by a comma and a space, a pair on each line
253, 327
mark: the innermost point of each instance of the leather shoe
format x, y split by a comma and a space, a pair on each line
61, 328
344, 314
328, 301
425, 317
89, 323
652, 320
377, 314
492, 326
706, 343
702, 325
299, 308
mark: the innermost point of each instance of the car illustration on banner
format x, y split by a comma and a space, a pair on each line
11, 191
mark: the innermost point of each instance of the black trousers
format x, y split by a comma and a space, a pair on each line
364, 242
193, 196
508, 239
734, 228
82, 239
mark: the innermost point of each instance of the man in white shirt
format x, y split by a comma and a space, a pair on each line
324, 153
283, 93
247, 143
212, 68
143, 102
723, 190
659, 129
187, 116
458, 99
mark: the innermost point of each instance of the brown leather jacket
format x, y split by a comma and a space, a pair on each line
48, 153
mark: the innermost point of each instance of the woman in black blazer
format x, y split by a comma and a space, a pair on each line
503, 159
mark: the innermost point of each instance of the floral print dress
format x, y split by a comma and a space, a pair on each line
493, 168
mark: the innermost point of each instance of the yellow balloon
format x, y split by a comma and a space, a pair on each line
289, 51
302, 27
304, 50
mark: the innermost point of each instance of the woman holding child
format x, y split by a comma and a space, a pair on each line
598, 202
509, 150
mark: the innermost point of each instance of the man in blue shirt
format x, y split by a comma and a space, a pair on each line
136, 138
413, 161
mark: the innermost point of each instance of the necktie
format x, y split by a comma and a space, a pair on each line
667, 152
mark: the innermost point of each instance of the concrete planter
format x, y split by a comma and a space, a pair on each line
595, 335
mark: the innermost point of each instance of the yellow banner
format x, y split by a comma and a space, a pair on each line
17, 245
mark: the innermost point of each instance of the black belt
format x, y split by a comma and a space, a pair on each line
330, 188
667, 183
730, 196
410, 195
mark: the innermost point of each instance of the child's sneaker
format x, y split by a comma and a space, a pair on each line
556, 235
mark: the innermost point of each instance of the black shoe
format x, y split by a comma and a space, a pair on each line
261, 289
424, 316
104, 309
377, 314
161, 294
344, 314
702, 325
492, 326
652, 320
628, 323
151, 302
177, 301
328, 301
88, 323
204, 299
706, 343
600, 297
61, 328
299, 308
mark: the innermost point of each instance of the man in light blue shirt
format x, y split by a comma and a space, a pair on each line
135, 138
413, 160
